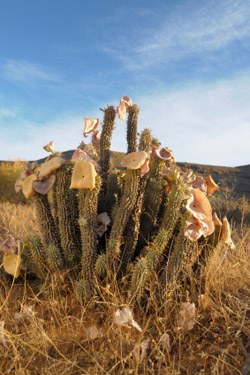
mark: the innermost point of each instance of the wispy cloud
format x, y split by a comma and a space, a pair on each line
201, 123
207, 124
25, 72
193, 28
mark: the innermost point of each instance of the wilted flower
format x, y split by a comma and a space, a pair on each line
26, 312
43, 185
211, 185
226, 234
124, 317
199, 205
123, 107
162, 153
49, 147
142, 348
79, 154
9, 246
96, 138
3, 340
186, 318
195, 228
90, 125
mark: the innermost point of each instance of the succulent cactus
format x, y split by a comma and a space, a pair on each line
158, 216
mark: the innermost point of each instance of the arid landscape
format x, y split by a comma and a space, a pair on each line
200, 326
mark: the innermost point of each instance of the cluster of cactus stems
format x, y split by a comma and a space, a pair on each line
151, 231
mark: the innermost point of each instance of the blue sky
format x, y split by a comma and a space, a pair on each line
185, 63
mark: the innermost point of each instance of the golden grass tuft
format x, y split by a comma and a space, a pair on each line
60, 336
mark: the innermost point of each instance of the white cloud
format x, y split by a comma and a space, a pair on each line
188, 30
25, 72
206, 124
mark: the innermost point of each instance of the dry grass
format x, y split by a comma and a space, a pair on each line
54, 340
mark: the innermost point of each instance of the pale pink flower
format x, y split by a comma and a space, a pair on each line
194, 228
199, 205
162, 153
79, 154
186, 318
123, 107
211, 185
90, 125
226, 234
49, 147
96, 138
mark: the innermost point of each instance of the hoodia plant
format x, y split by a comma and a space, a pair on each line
101, 225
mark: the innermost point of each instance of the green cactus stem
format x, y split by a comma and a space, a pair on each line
112, 193
49, 232
152, 200
183, 255
88, 200
164, 235
132, 230
132, 128
105, 143
145, 143
55, 259
34, 256
123, 213
68, 215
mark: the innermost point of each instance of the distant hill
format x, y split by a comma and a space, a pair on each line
239, 177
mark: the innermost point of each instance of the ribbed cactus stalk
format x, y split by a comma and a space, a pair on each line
145, 143
171, 216
123, 213
133, 226
164, 235
101, 265
152, 199
67, 209
112, 193
49, 232
184, 254
105, 143
34, 256
88, 200
55, 259
132, 128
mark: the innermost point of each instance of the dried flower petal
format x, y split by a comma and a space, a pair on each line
199, 205
124, 317
226, 234
96, 138
121, 111
3, 340
9, 246
142, 348
211, 185
162, 153
134, 160
79, 154
90, 125
49, 147
93, 332
43, 186
186, 318
194, 228
12, 263
26, 312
